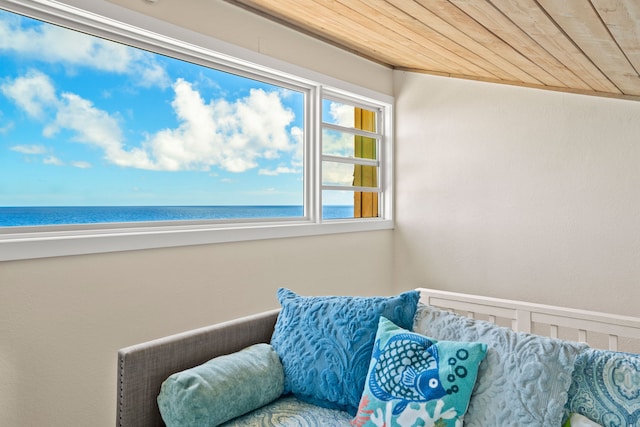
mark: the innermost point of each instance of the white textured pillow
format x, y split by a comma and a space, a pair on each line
524, 378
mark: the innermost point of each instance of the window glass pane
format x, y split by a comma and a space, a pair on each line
337, 204
349, 204
345, 174
86, 122
344, 144
337, 113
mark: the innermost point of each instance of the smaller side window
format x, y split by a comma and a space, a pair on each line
351, 159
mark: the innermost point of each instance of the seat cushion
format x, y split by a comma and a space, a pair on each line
288, 411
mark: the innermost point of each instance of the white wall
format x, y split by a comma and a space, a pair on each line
62, 320
518, 193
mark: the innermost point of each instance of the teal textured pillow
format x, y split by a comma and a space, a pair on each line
413, 378
606, 387
325, 343
222, 388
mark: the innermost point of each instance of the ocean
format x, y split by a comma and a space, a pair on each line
58, 215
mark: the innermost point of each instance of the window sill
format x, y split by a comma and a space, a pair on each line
24, 244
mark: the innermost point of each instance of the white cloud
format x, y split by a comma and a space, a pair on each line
337, 173
230, 135
81, 165
298, 140
151, 73
5, 127
342, 114
29, 149
95, 127
55, 44
53, 160
335, 142
33, 92
41, 150
277, 171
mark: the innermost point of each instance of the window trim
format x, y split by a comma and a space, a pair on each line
151, 34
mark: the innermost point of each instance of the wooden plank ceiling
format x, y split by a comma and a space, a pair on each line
584, 46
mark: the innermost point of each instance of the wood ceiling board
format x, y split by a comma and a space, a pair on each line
580, 71
622, 18
325, 22
549, 70
404, 22
295, 24
456, 59
426, 39
455, 17
583, 24
410, 15
579, 46
315, 27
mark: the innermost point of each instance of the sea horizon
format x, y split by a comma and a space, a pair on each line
20, 216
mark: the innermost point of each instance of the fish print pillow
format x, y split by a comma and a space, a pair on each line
415, 379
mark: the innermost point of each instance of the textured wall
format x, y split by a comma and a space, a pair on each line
518, 193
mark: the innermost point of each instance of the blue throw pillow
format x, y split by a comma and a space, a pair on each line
606, 387
524, 378
415, 378
325, 343
222, 388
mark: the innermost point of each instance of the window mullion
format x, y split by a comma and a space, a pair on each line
353, 131
351, 160
315, 151
352, 188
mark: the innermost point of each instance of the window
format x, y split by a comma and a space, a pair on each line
350, 163
113, 133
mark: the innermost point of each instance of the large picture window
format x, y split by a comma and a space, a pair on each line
100, 137
96, 131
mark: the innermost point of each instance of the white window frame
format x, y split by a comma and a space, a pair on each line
46, 241
378, 135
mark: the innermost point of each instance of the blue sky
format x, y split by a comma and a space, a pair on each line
85, 121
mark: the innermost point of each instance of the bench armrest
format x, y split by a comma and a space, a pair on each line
142, 368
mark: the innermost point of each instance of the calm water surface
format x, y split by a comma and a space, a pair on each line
56, 215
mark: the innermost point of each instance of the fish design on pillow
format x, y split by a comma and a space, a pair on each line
406, 369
